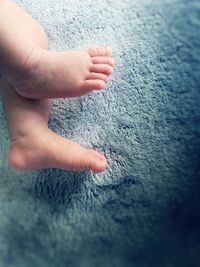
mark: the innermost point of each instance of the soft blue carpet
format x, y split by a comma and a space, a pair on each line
145, 209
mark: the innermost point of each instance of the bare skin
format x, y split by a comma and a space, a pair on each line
64, 74
32, 144
37, 73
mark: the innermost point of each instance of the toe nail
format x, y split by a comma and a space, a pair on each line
101, 157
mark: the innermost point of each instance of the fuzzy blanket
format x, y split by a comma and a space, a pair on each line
144, 211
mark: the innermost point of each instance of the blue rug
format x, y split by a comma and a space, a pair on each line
144, 211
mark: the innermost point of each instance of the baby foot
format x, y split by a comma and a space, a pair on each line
45, 149
64, 74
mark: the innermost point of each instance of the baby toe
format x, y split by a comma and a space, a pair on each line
103, 60
102, 68
95, 161
100, 51
90, 85
97, 76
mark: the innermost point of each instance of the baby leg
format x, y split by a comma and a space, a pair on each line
32, 144
17, 41
37, 73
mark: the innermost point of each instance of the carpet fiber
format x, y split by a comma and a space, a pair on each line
144, 211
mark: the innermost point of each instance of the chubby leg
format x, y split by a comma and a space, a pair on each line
37, 73
18, 32
32, 144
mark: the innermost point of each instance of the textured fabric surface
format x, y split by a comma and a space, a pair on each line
144, 210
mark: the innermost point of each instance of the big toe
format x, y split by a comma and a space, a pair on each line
94, 161
100, 51
66, 154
